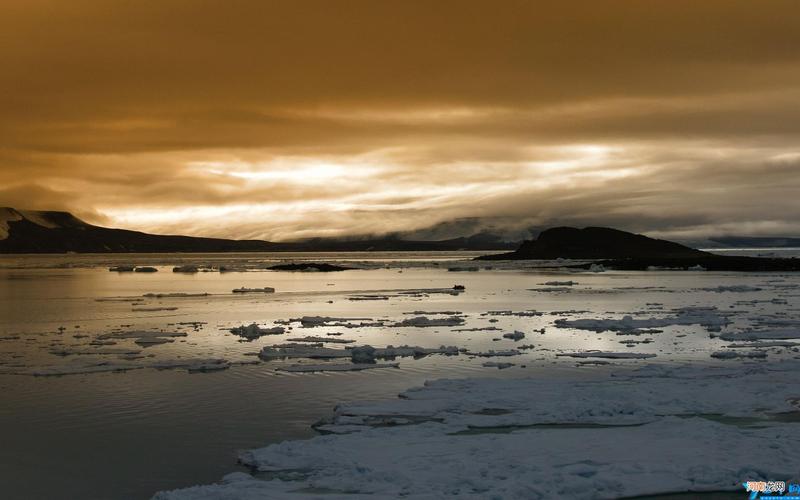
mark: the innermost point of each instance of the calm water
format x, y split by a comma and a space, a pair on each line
129, 434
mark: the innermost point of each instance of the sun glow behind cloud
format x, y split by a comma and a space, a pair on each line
381, 193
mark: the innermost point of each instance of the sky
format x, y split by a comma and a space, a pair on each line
291, 119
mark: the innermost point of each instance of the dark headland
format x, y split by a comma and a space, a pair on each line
622, 250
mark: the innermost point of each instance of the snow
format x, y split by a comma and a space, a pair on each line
7, 215
641, 432
37, 218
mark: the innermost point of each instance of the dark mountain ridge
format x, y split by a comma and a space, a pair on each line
627, 251
28, 231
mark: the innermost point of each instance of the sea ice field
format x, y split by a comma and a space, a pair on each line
421, 375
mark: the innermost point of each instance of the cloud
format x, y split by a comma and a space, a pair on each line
291, 119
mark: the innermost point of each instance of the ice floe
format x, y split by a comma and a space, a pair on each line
527, 438
253, 331
335, 367
313, 339
707, 317
777, 334
425, 322
738, 354
607, 355
266, 289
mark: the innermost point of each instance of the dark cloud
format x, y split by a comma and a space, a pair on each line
288, 119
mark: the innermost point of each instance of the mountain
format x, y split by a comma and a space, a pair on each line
621, 250
29, 231
596, 243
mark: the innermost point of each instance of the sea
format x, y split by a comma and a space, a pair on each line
87, 413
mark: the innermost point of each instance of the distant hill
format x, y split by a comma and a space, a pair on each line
621, 250
29, 231
596, 243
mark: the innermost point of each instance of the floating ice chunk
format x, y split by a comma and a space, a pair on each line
56, 371
174, 295
78, 351
368, 297
145, 269
363, 354
597, 268
697, 267
738, 354
551, 289
777, 334
188, 268
707, 317
138, 334
515, 336
607, 354
253, 331
424, 321
732, 288
121, 269
336, 367
302, 351
499, 366
193, 365
265, 289
313, 339
767, 343
315, 321
149, 341
490, 353
512, 313
428, 313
